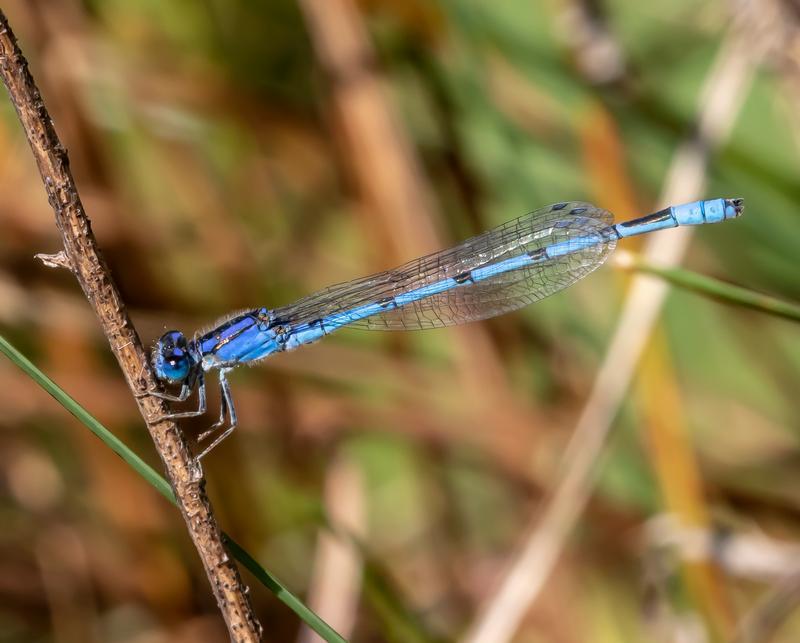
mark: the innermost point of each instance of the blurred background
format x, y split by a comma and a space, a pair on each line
241, 154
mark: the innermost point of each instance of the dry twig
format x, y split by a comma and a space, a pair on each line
81, 256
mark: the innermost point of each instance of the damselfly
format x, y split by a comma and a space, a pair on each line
501, 270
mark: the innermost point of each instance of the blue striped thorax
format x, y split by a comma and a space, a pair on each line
246, 337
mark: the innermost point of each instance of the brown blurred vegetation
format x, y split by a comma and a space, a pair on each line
239, 154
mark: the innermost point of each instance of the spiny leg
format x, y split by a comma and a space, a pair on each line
201, 404
227, 404
186, 391
223, 410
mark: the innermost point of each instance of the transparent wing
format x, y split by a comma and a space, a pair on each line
493, 296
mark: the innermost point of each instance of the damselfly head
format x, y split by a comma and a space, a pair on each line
172, 359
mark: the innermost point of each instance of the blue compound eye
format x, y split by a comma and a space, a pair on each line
172, 360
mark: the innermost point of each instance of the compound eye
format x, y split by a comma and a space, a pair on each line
171, 358
173, 339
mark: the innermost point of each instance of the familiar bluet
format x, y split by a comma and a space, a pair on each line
501, 270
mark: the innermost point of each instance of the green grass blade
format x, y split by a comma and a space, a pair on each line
399, 623
270, 582
162, 486
714, 288
111, 440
